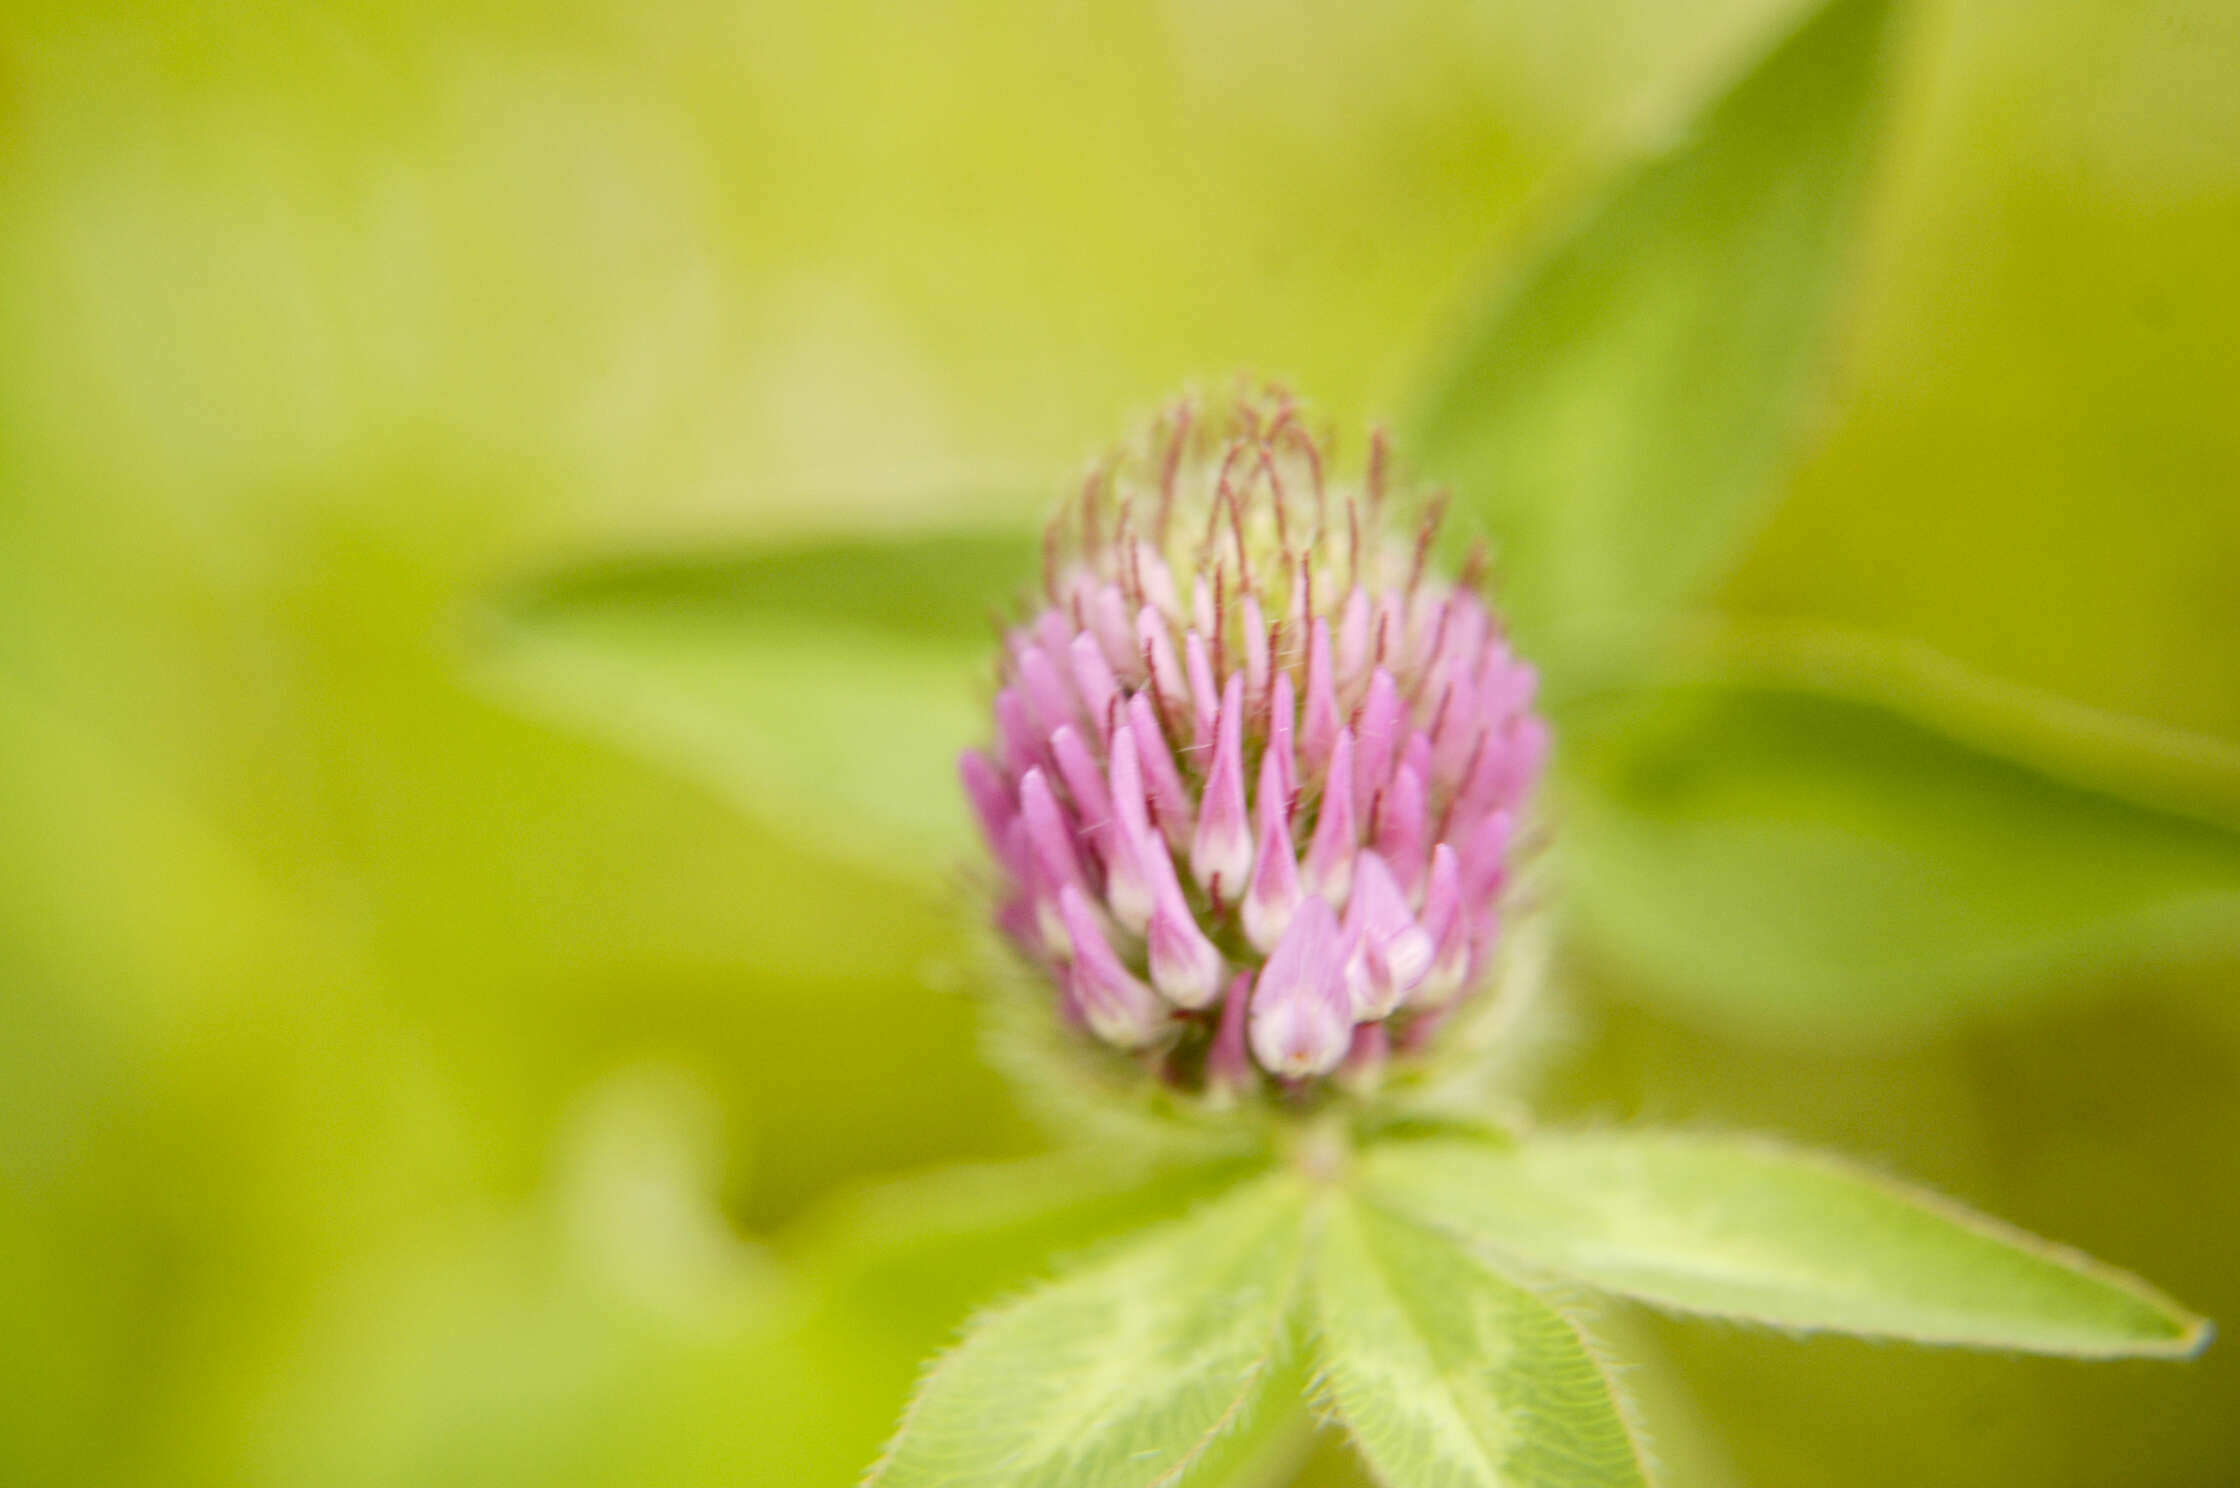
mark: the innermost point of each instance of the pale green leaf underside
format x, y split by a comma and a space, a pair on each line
1621, 414
1818, 866
1749, 1229
1449, 1376
826, 689
1122, 1374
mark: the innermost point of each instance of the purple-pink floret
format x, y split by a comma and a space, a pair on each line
1257, 770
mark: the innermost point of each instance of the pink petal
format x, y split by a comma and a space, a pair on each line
1156, 642
1130, 843
992, 803
1205, 698
1085, 779
1320, 730
1376, 739
1049, 700
1185, 966
1300, 1023
1256, 660
1280, 712
1117, 1007
1229, 1068
1049, 833
1354, 639
1170, 801
1274, 894
1329, 866
1108, 622
1093, 680
1221, 852
1400, 827
1390, 953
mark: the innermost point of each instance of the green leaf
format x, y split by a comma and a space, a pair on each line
1446, 1373
1808, 866
2124, 752
878, 1279
1749, 1229
1622, 412
1126, 1372
911, 1257
1267, 1449
825, 688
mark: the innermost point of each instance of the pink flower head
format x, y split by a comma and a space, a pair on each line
1256, 765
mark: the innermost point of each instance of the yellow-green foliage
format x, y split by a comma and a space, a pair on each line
396, 1089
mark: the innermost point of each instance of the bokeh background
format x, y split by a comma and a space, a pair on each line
396, 1088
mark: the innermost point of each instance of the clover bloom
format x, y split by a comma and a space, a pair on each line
1257, 767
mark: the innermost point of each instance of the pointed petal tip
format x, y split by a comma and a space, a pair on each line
1221, 851
1301, 1023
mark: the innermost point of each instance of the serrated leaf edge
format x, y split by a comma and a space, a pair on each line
1249, 1389
1543, 1288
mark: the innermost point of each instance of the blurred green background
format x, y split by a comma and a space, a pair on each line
397, 1090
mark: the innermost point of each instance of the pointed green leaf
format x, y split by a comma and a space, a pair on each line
1124, 1373
826, 688
1622, 412
1266, 1449
1448, 1374
1807, 865
1750, 1229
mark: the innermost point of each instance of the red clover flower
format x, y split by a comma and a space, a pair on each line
1257, 769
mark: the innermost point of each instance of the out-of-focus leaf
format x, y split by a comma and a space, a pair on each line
1804, 865
826, 688
883, 1277
1123, 1373
2035, 472
1621, 412
2156, 762
1746, 1228
912, 1256
1447, 1373
537, 1346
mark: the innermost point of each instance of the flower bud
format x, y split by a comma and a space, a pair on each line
1256, 766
